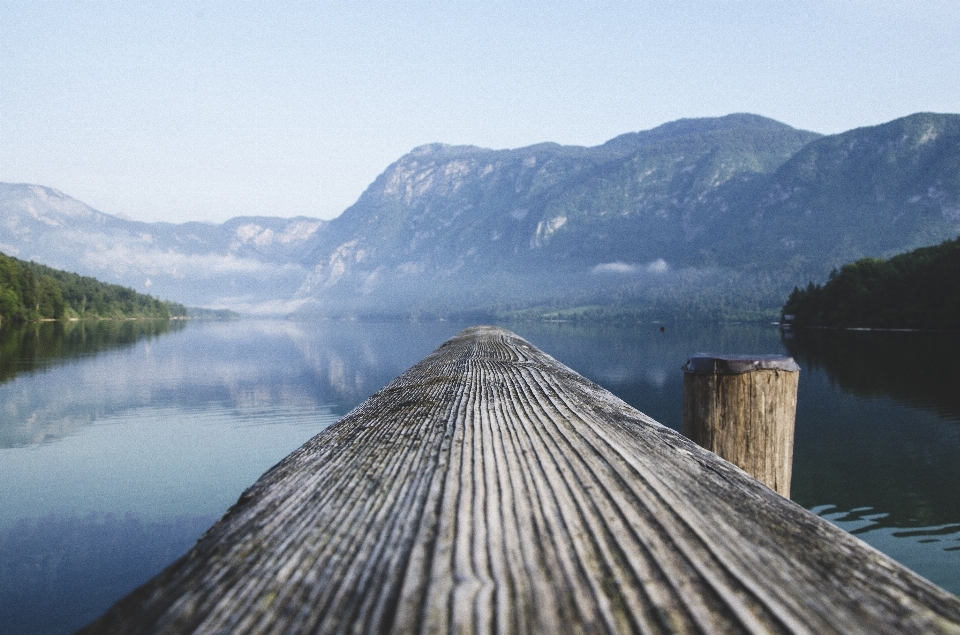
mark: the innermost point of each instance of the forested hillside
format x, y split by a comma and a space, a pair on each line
29, 292
919, 289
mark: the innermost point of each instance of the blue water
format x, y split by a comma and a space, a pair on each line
116, 454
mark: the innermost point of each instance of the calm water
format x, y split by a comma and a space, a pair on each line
120, 444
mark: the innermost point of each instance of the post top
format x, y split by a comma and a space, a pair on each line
707, 364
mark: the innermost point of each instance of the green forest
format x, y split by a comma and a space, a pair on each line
919, 289
31, 292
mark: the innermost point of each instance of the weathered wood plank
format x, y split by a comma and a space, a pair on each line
491, 489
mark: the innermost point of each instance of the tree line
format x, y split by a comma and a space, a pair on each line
31, 292
919, 289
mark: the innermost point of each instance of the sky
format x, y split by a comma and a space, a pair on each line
202, 111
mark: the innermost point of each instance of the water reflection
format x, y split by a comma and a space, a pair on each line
50, 407
128, 455
896, 447
83, 563
878, 441
31, 347
250, 365
919, 369
250, 368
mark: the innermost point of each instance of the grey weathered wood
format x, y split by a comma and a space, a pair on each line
491, 489
743, 408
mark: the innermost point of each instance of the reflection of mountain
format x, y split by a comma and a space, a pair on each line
41, 407
247, 368
251, 367
878, 455
352, 360
908, 366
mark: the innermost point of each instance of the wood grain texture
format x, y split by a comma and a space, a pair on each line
746, 418
489, 489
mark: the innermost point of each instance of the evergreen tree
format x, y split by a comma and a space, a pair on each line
30, 291
919, 289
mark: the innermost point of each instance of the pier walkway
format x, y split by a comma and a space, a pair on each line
490, 489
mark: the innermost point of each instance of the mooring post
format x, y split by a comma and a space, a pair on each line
742, 408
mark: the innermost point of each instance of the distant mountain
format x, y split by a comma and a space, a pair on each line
248, 263
874, 191
699, 217
448, 228
718, 217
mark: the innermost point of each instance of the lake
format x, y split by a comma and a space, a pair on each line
120, 443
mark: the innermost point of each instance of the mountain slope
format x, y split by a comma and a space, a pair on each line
871, 191
467, 227
711, 216
248, 263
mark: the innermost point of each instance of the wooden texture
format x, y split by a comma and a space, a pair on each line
489, 489
745, 417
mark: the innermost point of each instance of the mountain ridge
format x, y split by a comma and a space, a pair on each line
718, 217
246, 262
521, 201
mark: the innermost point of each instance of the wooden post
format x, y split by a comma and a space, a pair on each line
743, 409
490, 489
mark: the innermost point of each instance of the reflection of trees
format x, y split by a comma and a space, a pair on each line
918, 368
31, 347
47, 408
870, 457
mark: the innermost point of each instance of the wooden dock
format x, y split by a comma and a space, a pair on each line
490, 489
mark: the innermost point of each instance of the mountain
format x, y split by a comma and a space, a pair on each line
874, 191
717, 217
448, 228
248, 263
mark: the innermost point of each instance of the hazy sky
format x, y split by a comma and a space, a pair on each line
206, 110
